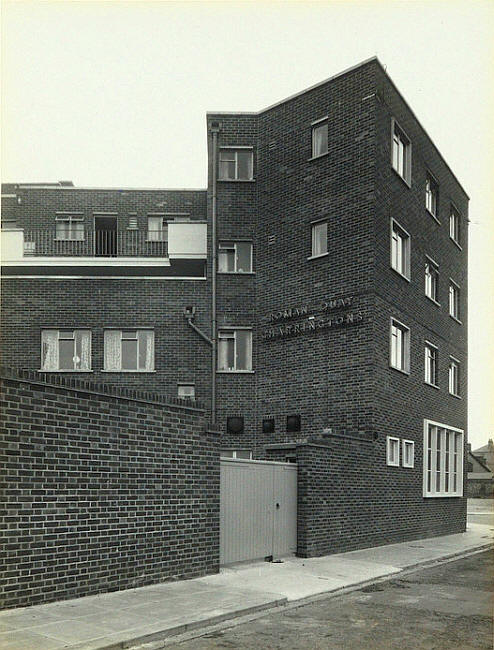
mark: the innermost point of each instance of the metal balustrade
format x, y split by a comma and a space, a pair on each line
96, 243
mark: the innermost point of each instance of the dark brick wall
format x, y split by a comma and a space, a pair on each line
180, 354
102, 492
349, 499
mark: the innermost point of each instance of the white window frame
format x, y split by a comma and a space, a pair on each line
407, 444
455, 225
315, 126
432, 195
232, 334
233, 151
454, 300
454, 377
315, 225
55, 332
405, 347
70, 221
106, 361
392, 451
431, 279
450, 457
189, 385
157, 234
400, 249
401, 162
431, 365
234, 453
231, 245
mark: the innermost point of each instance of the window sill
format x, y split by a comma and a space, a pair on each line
442, 496
68, 370
316, 257
392, 464
455, 395
433, 216
236, 372
407, 183
407, 466
456, 243
428, 383
236, 272
127, 371
400, 274
71, 240
403, 372
236, 180
321, 155
438, 304
456, 319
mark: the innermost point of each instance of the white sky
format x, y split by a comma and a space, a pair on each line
115, 94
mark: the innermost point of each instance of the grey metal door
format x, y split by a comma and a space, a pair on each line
258, 510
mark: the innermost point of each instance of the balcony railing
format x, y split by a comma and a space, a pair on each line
96, 243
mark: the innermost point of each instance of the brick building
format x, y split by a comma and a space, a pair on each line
314, 297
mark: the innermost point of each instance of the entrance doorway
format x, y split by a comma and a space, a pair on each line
105, 236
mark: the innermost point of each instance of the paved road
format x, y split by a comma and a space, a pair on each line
480, 511
448, 607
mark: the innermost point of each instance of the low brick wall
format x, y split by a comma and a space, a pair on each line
348, 499
103, 489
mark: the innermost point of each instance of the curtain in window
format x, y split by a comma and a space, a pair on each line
83, 338
49, 350
244, 350
146, 349
113, 350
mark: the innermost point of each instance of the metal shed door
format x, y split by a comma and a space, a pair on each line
258, 510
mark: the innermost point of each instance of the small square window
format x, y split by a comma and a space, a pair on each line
186, 391
407, 453
454, 300
244, 454
319, 238
236, 164
320, 138
400, 346
454, 377
66, 350
431, 280
430, 364
234, 350
235, 257
293, 423
400, 250
401, 153
431, 195
454, 225
392, 451
129, 350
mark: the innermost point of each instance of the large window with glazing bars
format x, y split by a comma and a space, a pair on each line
443, 460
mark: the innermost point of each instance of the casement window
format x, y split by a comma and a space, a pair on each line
236, 164
157, 228
454, 300
454, 377
319, 138
66, 350
401, 153
129, 350
234, 350
430, 364
400, 346
400, 250
186, 391
431, 195
407, 453
245, 454
319, 238
392, 451
235, 257
69, 228
443, 460
431, 280
454, 225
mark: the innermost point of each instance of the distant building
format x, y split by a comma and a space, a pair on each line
480, 479
486, 453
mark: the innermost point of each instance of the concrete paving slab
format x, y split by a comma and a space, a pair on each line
71, 631
26, 640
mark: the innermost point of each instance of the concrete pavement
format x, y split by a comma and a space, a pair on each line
126, 618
